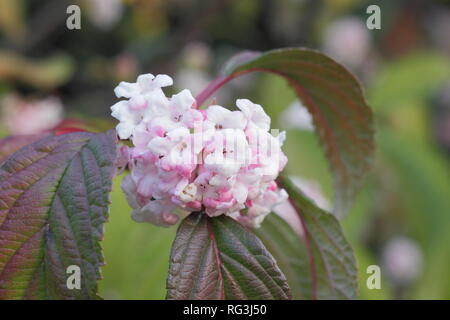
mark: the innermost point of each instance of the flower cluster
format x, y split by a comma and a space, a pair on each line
184, 159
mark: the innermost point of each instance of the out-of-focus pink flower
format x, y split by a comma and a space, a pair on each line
402, 260
348, 40
105, 13
21, 116
216, 160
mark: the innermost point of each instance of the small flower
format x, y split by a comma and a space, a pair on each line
226, 153
157, 212
129, 118
181, 109
223, 118
145, 84
254, 113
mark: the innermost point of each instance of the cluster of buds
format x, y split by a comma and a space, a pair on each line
184, 159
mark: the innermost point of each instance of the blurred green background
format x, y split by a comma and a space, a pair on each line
401, 218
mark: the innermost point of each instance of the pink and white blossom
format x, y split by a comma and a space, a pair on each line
183, 159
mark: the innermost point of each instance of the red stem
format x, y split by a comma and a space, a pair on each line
215, 85
212, 87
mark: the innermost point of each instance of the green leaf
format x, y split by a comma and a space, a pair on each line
290, 252
54, 197
333, 96
217, 258
322, 266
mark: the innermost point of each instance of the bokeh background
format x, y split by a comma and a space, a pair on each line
401, 218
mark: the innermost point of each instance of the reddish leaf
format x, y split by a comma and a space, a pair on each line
321, 264
11, 144
53, 203
217, 258
333, 96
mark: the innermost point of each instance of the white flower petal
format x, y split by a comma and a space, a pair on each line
160, 146
178, 134
124, 130
126, 90
226, 119
192, 117
240, 192
165, 123
145, 82
235, 120
163, 80
216, 114
182, 101
254, 113
120, 111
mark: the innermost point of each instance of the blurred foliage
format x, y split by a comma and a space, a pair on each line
404, 68
137, 255
11, 18
45, 74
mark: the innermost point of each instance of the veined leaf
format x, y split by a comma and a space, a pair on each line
54, 197
217, 258
11, 144
333, 96
331, 271
289, 250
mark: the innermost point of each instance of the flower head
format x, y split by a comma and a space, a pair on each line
184, 159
